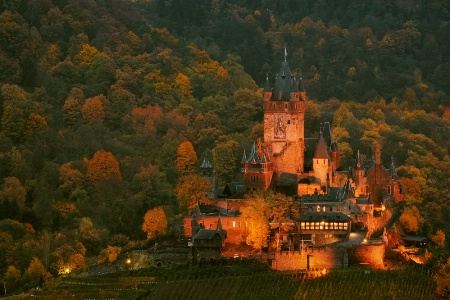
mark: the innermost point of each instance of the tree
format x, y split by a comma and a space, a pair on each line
109, 254
13, 190
186, 159
442, 279
155, 223
11, 279
93, 111
70, 178
411, 220
256, 212
35, 123
103, 167
438, 238
190, 190
225, 161
36, 273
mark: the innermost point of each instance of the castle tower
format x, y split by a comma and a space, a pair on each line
257, 168
358, 172
284, 110
321, 161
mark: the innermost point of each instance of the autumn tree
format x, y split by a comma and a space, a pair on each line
13, 190
442, 279
36, 273
93, 111
186, 159
438, 238
109, 255
12, 279
191, 189
103, 166
411, 220
256, 213
70, 178
35, 123
155, 223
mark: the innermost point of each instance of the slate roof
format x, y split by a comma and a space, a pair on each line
321, 148
206, 164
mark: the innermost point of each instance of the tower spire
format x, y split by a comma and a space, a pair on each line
285, 52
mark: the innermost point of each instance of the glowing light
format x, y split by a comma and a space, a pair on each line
128, 261
67, 270
383, 208
364, 240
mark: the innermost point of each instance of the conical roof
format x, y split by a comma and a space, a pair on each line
206, 164
197, 215
321, 148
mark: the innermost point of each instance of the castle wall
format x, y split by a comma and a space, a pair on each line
315, 258
371, 255
288, 163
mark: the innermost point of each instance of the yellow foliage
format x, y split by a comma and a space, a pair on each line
86, 54
155, 223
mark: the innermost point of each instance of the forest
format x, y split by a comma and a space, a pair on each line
101, 100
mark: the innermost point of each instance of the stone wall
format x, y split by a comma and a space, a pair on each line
236, 227
315, 258
371, 255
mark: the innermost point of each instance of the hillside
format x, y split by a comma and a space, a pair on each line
97, 96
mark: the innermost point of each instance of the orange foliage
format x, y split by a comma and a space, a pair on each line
35, 122
103, 167
145, 120
86, 54
155, 223
93, 111
186, 159
65, 208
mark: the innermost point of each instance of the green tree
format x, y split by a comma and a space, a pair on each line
12, 279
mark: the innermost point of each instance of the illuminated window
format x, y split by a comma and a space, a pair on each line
341, 226
389, 189
345, 226
324, 208
322, 225
317, 225
234, 224
318, 208
302, 225
326, 226
335, 225
307, 225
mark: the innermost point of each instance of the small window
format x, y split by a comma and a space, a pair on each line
234, 224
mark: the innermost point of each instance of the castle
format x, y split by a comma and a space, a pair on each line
307, 168
287, 159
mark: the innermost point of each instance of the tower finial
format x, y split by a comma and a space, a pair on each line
285, 52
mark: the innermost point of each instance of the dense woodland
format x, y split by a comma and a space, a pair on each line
97, 97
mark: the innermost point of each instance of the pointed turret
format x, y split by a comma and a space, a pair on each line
244, 158
206, 164
392, 170
267, 90
358, 162
321, 148
197, 215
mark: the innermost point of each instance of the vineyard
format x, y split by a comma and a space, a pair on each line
249, 281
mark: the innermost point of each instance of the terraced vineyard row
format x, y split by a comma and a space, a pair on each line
339, 284
248, 281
